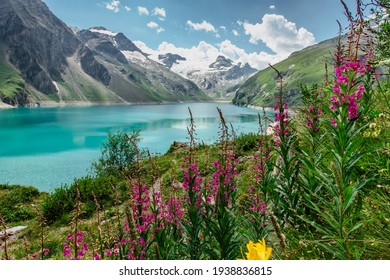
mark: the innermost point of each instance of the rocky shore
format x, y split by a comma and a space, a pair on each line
5, 106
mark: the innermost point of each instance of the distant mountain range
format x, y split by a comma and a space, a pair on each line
219, 79
43, 60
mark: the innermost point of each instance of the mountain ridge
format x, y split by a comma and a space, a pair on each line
218, 79
306, 66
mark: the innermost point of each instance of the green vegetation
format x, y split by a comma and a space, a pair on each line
15, 202
10, 81
303, 67
118, 154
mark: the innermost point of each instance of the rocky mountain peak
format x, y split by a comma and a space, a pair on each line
221, 62
170, 59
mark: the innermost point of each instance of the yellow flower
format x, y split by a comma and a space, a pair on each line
257, 251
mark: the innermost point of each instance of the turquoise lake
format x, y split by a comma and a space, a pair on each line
50, 147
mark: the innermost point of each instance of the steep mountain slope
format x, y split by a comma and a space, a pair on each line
306, 66
129, 67
42, 60
26, 27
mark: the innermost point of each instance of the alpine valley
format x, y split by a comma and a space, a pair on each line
44, 62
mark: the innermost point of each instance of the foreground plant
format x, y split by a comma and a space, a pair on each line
338, 199
257, 251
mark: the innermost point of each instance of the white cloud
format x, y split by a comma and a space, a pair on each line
159, 12
256, 60
127, 8
272, 7
113, 6
280, 35
206, 26
154, 25
142, 46
223, 27
235, 32
143, 11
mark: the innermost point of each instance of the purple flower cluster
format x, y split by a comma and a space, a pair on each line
222, 185
141, 199
313, 115
281, 121
348, 88
192, 182
258, 205
82, 247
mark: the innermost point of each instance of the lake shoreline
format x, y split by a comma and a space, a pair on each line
53, 104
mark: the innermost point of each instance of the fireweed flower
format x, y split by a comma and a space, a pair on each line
192, 182
281, 122
257, 251
348, 87
96, 256
67, 251
257, 204
222, 185
45, 251
141, 208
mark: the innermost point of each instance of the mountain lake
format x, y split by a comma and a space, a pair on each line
49, 147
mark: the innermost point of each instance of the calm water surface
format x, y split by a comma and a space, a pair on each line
48, 147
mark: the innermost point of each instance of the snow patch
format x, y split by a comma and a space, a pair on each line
106, 32
135, 57
56, 85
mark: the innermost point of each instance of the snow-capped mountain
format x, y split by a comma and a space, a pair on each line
219, 78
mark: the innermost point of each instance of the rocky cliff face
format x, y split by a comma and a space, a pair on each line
56, 65
37, 42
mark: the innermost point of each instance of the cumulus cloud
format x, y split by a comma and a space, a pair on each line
155, 26
206, 26
272, 7
280, 35
256, 60
201, 56
113, 6
235, 32
127, 8
143, 11
159, 12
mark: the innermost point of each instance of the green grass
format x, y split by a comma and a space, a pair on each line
10, 81
303, 67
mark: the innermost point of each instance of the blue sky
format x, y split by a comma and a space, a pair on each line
260, 31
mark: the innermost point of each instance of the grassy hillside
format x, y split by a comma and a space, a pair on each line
306, 66
10, 80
